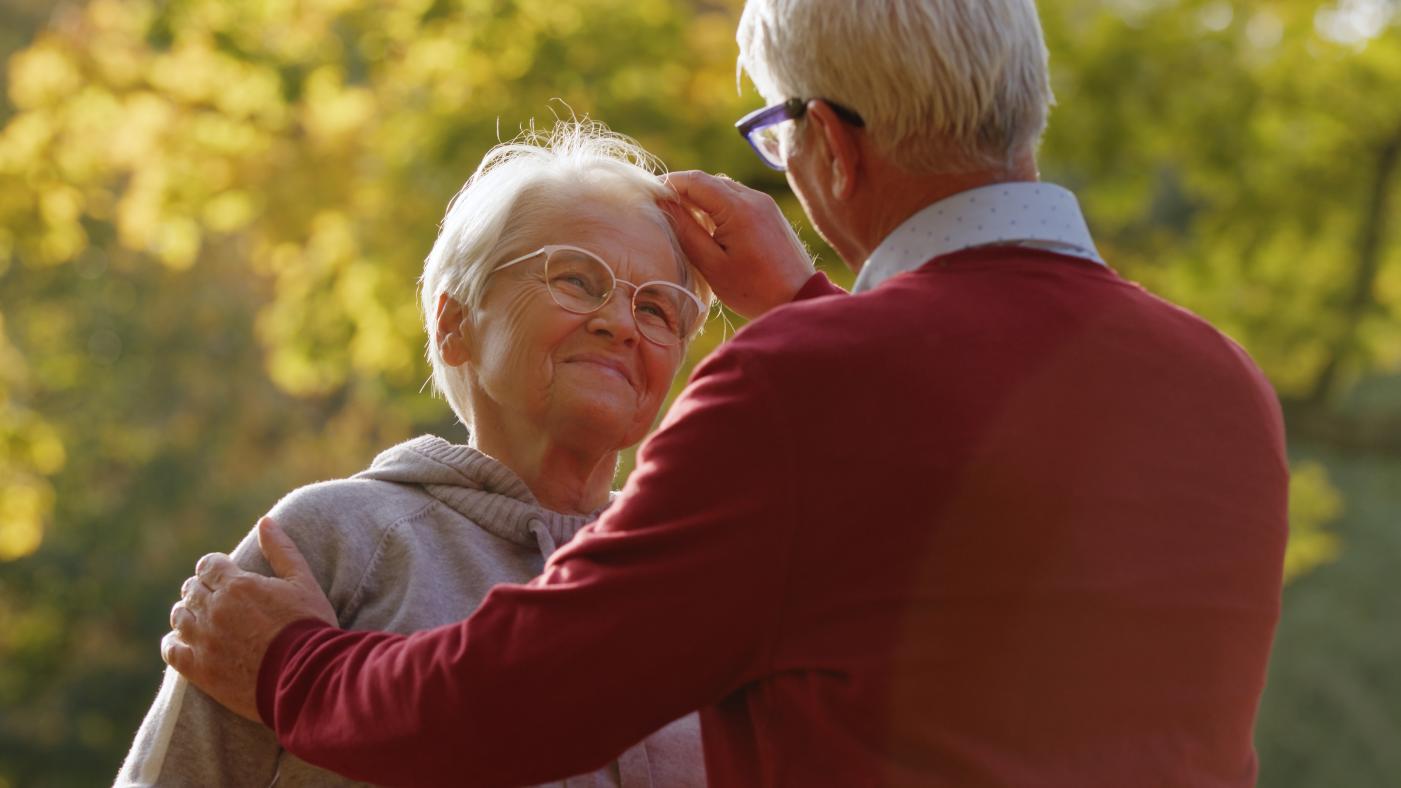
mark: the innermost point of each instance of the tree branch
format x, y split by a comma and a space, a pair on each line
1362, 295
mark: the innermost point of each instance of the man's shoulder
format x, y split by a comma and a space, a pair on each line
1192, 328
795, 352
826, 324
979, 302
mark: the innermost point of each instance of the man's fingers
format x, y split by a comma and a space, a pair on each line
677, 203
214, 568
191, 585
283, 555
181, 619
713, 195
177, 653
699, 245
195, 594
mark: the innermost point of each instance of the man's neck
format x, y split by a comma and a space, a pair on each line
890, 196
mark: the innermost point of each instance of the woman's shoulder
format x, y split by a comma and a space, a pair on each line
338, 526
354, 509
358, 501
344, 520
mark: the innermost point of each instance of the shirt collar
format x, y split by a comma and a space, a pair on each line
1039, 215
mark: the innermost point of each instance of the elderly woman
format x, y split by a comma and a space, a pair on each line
559, 306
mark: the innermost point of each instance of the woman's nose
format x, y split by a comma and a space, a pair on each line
614, 319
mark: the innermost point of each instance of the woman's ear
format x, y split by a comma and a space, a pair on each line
451, 334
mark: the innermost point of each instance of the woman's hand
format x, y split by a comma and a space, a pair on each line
739, 240
226, 618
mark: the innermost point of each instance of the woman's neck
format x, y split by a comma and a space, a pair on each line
563, 478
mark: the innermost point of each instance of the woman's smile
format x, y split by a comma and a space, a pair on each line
610, 365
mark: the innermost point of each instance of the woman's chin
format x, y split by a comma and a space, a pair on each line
601, 422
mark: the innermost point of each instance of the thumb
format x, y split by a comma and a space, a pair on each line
283, 555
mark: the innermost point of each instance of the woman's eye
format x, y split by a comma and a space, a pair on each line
576, 281
655, 312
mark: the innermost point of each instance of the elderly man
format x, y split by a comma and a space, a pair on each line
997, 518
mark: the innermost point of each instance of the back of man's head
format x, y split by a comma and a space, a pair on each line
945, 86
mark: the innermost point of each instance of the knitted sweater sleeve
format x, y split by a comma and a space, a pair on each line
667, 604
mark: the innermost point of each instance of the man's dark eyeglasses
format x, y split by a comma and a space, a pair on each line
760, 128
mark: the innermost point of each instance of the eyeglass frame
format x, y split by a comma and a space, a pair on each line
792, 109
548, 249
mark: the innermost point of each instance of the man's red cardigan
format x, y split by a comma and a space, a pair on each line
1007, 520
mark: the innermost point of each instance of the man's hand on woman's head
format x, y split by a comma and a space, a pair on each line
739, 240
226, 618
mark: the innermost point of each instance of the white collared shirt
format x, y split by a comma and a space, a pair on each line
1022, 213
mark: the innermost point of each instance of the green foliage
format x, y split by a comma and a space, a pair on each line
1332, 709
30, 452
213, 214
1241, 159
1313, 503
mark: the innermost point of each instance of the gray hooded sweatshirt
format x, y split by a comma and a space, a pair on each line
412, 543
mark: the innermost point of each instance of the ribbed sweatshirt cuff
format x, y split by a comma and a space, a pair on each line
283, 646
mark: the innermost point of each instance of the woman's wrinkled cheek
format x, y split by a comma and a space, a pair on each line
511, 360
659, 370
529, 326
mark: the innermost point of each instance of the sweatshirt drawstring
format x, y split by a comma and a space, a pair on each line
543, 538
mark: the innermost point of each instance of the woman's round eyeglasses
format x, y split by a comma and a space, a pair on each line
580, 282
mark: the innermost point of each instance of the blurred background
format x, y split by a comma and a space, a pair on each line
213, 213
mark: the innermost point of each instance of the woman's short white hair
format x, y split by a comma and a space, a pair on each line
943, 85
518, 192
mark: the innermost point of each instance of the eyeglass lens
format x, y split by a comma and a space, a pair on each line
581, 283
769, 141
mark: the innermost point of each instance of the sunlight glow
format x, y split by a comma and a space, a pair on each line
1217, 16
1354, 22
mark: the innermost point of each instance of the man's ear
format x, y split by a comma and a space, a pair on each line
843, 148
451, 334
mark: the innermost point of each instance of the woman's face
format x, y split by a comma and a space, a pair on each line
590, 380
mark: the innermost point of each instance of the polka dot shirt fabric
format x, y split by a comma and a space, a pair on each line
1038, 215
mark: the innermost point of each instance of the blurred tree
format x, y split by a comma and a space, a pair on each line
213, 214
1242, 159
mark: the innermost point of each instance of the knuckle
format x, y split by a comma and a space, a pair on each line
213, 563
174, 652
238, 584
183, 621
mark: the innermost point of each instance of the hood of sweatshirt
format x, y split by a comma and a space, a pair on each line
479, 488
496, 499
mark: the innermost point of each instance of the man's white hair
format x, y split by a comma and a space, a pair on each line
943, 85
519, 193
